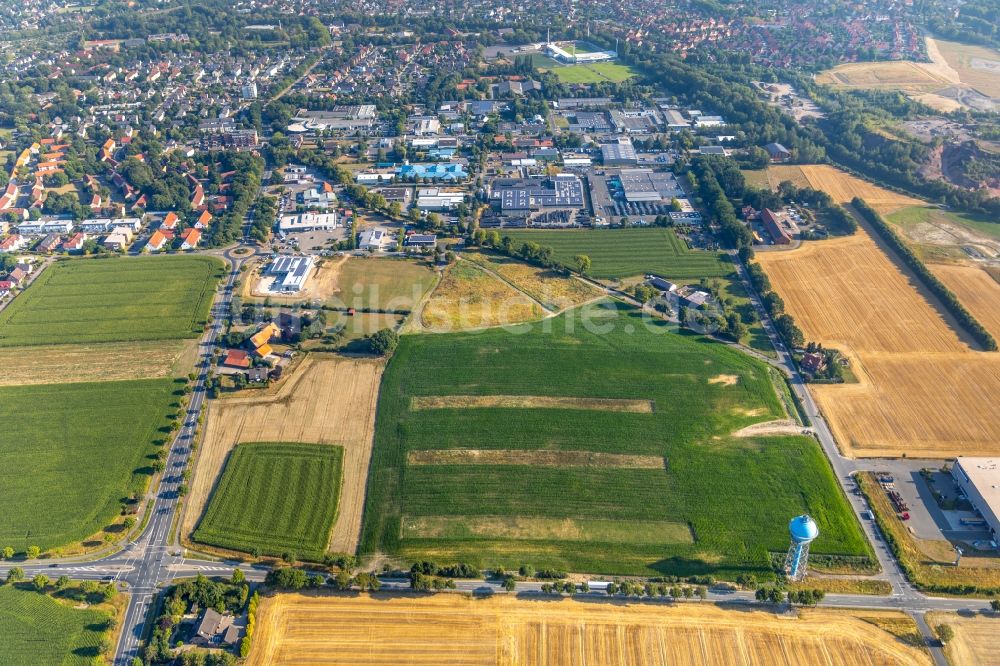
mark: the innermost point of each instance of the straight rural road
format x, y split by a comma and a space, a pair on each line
152, 561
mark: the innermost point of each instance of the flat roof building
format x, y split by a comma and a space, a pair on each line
648, 185
523, 195
290, 273
308, 222
620, 152
979, 479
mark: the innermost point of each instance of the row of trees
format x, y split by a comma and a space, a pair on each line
774, 595
784, 323
947, 297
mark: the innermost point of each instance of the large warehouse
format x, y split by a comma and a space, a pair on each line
979, 479
648, 185
290, 273
522, 195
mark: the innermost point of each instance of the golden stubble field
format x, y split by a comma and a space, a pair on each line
841, 186
329, 400
469, 298
979, 292
97, 362
975, 639
847, 293
461, 631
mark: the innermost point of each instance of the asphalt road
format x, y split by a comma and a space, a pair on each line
153, 560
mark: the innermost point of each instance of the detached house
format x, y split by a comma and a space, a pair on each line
190, 238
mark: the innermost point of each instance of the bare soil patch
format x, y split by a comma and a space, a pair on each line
545, 529
456, 629
782, 427
330, 400
531, 402
536, 458
725, 380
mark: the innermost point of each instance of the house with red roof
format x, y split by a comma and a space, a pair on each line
190, 238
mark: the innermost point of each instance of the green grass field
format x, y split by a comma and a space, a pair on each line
593, 72
915, 215
735, 495
35, 629
275, 498
618, 253
69, 453
382, 283
111, 300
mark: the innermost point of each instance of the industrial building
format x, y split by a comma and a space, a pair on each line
289, 273
524, 195
979, 479
308, 222
571, 56
649, 186
619, 152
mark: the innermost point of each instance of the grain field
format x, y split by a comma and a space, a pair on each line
503, 631
975, 639
977, 290
330, 400
96, 362
843, 187
846, 293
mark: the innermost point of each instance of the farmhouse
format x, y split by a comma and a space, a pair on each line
236, 358
216, 629
979, 479
308, 222
779, 226
812, 362
777, 152
290, 273
259, 340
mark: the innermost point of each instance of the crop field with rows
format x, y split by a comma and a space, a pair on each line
69, 453
618, 253
111, 300
36, 629
519, 504
275, 498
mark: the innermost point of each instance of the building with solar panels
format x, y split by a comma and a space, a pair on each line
290, 273
524, 196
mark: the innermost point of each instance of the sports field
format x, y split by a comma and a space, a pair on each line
846, 293
483, 469
70, 452
468, 297
596, 72
550, 288
328, 400
275, 499
37, 629
618, 253
503, 631
111, 300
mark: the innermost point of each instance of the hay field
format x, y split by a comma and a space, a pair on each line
469, 297
459, 630
330, 400
108, 361
975, 639
846, 293
553, 290
978, 292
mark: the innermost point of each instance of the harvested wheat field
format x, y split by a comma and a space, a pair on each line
459, 630
977, 290
847, 294
468, 298
97, 362
843, 187
975, 639
329, 400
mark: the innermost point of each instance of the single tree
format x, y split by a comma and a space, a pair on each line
582, 262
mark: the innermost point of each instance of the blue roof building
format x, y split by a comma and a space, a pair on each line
447, 172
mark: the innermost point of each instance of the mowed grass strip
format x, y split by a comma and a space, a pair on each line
275, 498
534, 458
618, 253
530, 402
111, 300
36, 629
69, 453
652, 532
736, 495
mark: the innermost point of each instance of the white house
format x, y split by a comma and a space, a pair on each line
377, 240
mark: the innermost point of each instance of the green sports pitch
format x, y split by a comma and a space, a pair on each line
712, 504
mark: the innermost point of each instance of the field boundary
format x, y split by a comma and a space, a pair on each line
423, 402
533, 457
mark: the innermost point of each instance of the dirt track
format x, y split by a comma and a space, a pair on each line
330, 400
454, 629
